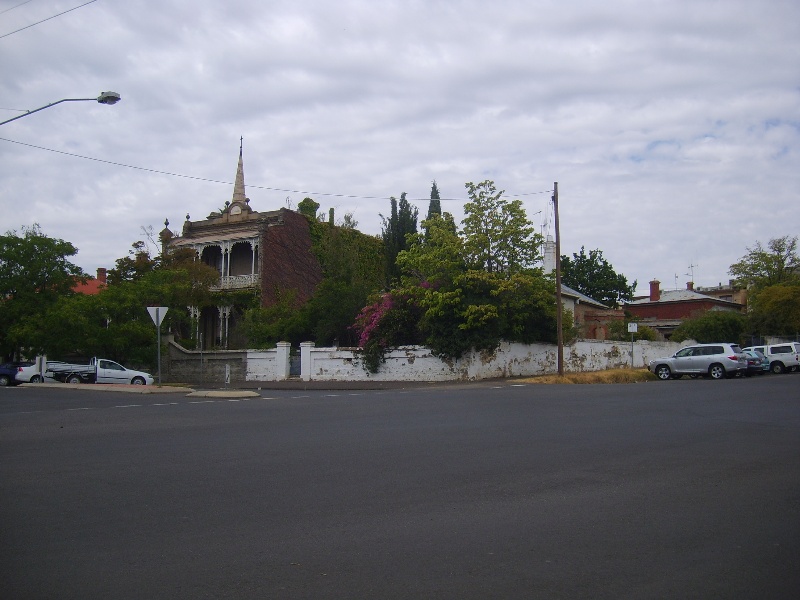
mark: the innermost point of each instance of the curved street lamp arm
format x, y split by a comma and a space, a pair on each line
104, 98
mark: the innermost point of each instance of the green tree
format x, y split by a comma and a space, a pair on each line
498, 237
132, 267
402, 221
454, 302
761, 267
593, 276
35, 271
308, 207
776, 311
435, 206
435, 257
114, 323
712, 326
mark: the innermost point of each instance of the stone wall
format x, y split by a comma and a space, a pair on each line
179, 365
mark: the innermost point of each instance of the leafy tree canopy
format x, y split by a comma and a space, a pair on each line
35, 271
712, 326
435, 257
762, 267
134, 266
464, 290
498, 237
776, 311
593, 276
114, 323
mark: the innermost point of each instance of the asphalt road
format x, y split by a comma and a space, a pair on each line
678, 489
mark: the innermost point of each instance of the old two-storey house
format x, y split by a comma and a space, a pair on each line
268, 253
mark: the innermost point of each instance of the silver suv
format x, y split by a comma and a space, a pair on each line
782, 357
715, 360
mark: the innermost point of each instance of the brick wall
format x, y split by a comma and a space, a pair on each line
287, 261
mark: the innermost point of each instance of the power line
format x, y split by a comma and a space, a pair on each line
43, 20
258, 187
13, 7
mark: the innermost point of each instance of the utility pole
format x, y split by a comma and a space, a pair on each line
559, 307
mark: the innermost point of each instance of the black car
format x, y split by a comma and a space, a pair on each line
8, 373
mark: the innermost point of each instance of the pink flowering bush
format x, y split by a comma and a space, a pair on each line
389, 321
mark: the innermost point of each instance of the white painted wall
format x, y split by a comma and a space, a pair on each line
416, 363
268, 365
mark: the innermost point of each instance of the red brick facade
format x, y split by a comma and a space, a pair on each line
288, 262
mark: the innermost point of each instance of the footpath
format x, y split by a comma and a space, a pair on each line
247, 389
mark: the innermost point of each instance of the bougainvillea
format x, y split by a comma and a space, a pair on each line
390, 320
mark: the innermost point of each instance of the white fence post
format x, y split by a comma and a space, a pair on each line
282, 361
305, 360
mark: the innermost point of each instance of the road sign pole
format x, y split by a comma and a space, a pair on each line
158, 345
157, 313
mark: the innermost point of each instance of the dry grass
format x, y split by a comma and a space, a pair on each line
610, 376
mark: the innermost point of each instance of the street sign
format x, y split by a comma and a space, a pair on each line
633, 327
157, 313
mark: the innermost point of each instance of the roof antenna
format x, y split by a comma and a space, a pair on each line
691, 271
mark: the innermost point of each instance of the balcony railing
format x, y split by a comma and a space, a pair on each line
237, 282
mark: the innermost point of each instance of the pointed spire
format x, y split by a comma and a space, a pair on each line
238, 186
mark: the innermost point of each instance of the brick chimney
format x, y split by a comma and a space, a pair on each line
101, 275
690, 286
655, 292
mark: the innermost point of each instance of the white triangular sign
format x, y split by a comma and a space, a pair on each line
157, 313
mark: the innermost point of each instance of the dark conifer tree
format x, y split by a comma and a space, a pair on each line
435, 207
401, 222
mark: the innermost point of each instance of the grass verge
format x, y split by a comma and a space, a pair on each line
610, 376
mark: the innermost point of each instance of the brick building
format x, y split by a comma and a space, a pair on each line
93, 285
665, 310
266, 252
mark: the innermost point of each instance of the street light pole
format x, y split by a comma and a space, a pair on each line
104, 98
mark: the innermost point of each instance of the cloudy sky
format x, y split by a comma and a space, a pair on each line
671, 126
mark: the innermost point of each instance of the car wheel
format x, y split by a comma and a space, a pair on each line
717, 372
4, 380
73, 379
36, 379
663, 372
777, 367
138, 381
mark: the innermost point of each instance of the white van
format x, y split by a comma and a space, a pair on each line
782, 357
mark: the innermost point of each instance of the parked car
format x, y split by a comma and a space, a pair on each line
715, 360
28, 373
98, 370
757, 363
8, 373
782, 357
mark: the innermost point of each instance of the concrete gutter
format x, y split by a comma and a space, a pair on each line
112, 387
223, 394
